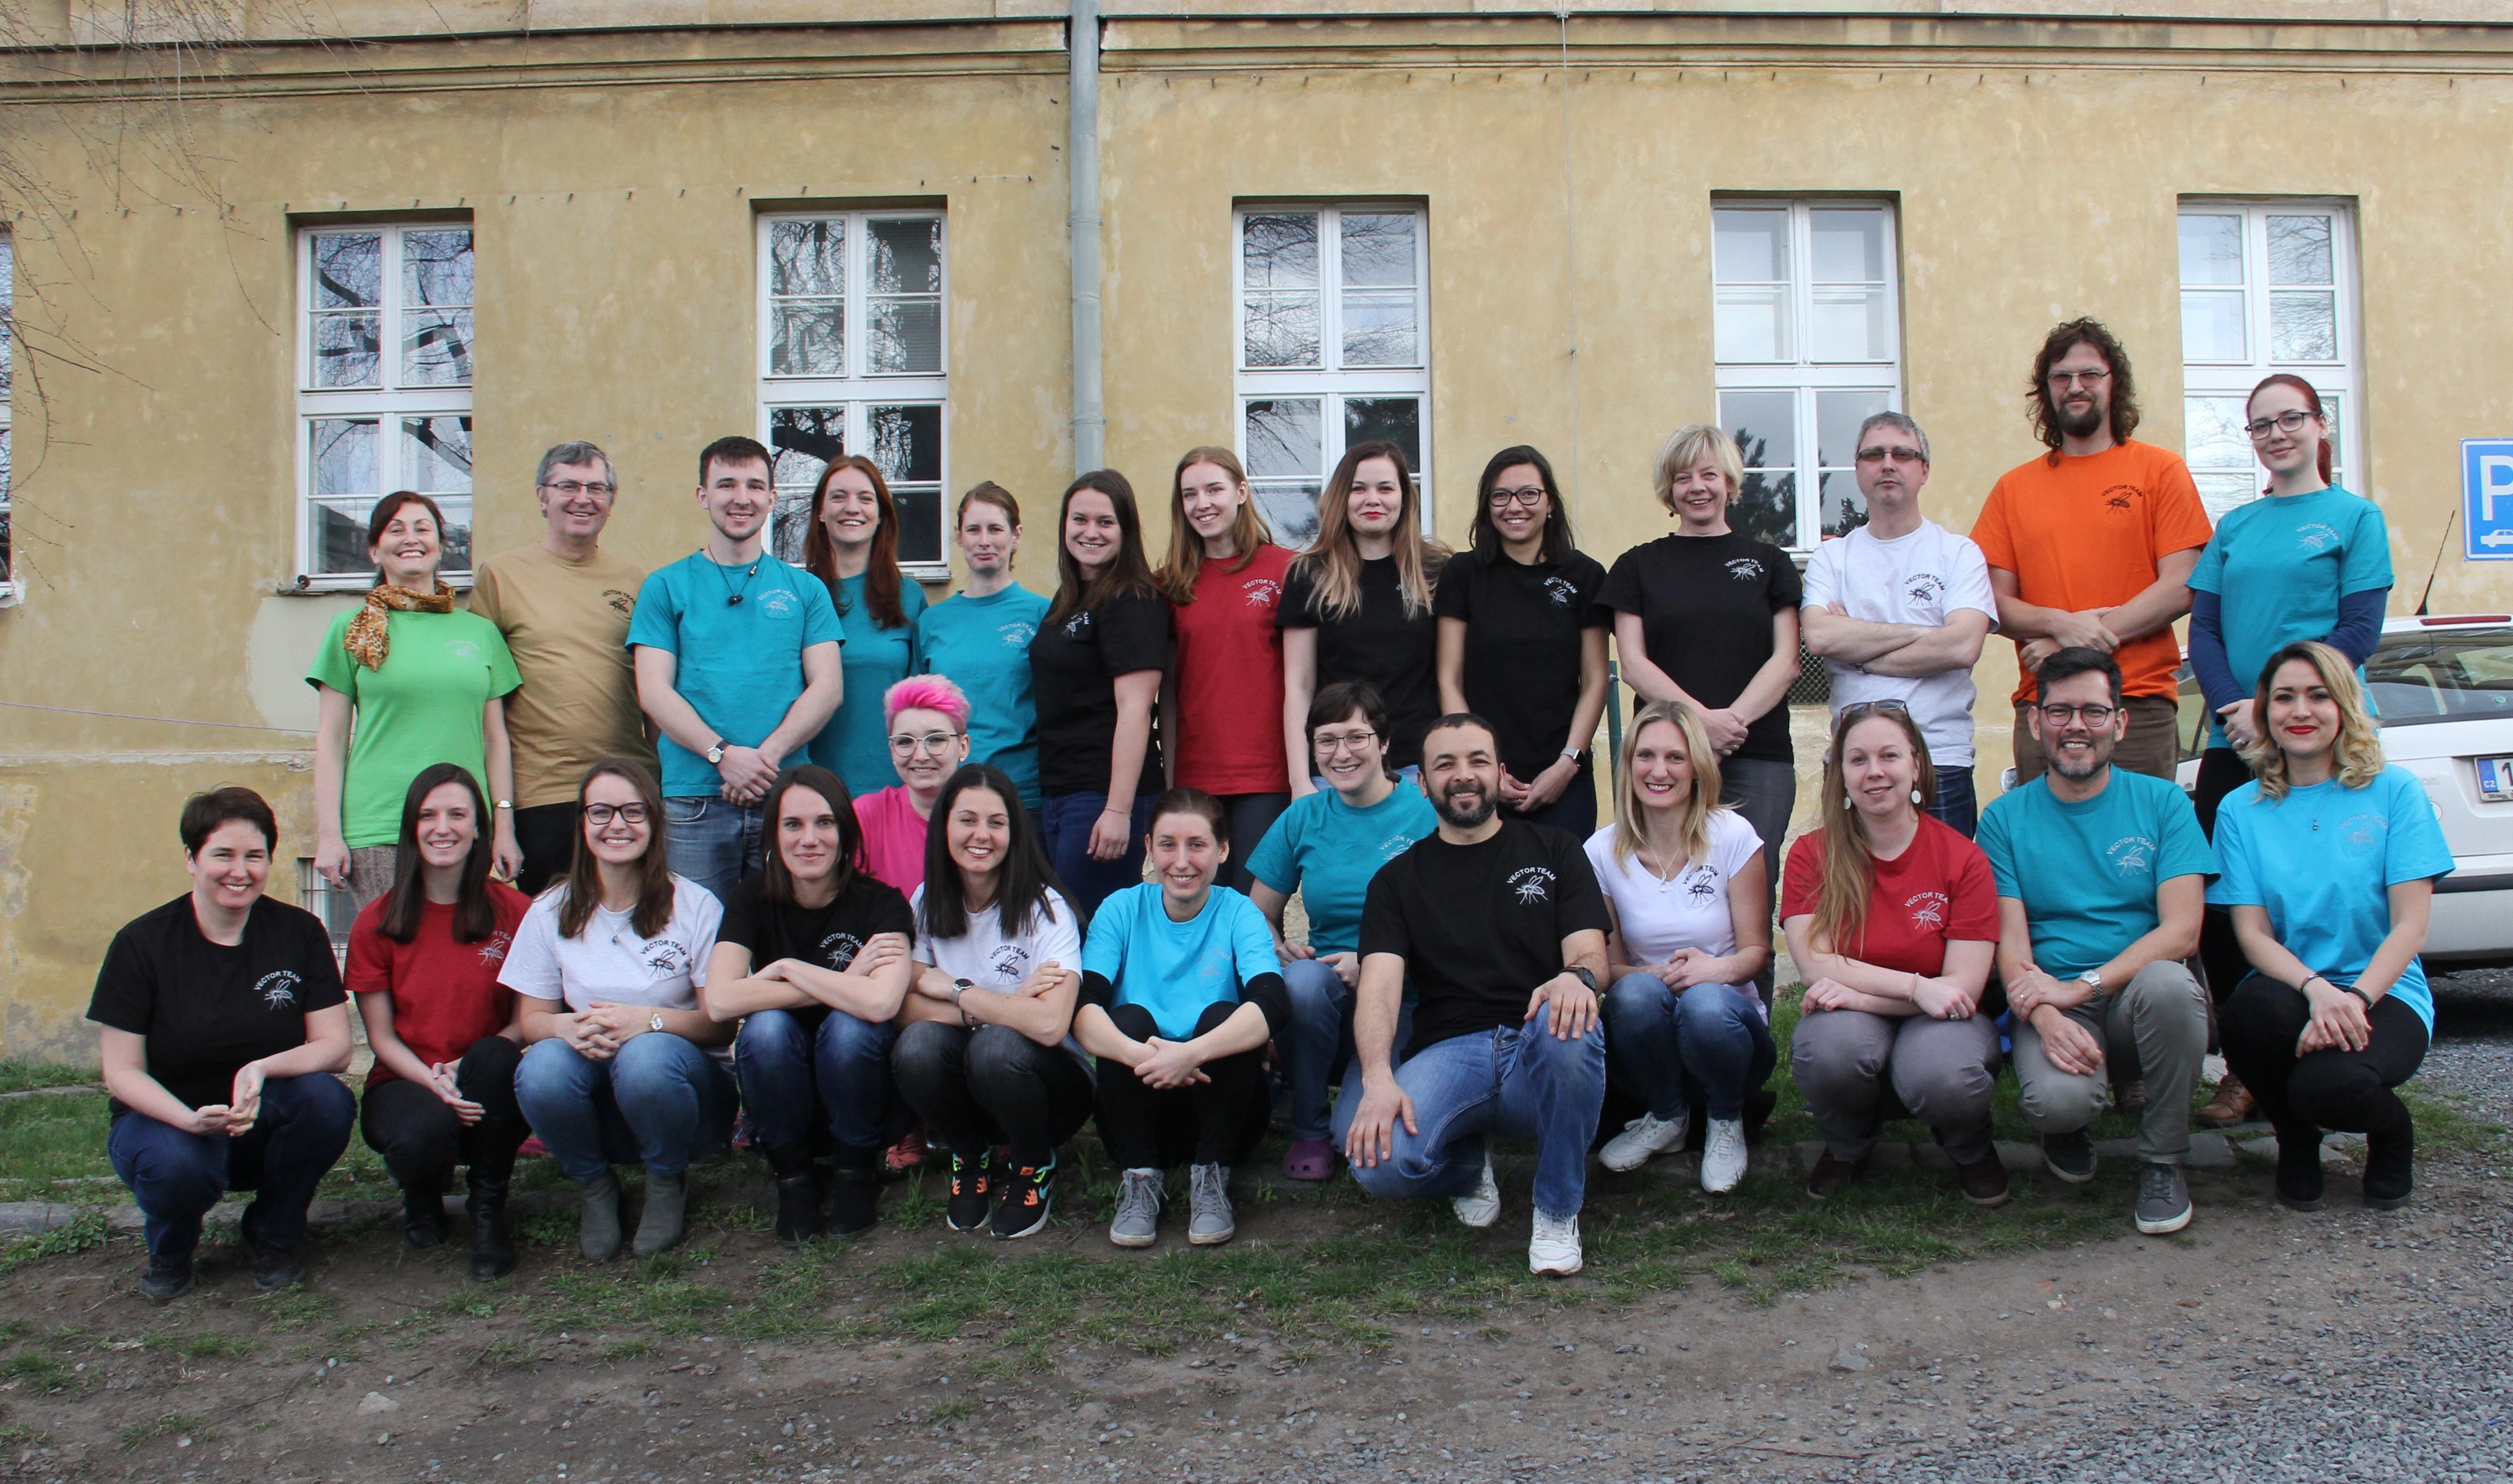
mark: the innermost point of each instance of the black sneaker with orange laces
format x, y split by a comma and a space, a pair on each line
974, 1179
1028, 1191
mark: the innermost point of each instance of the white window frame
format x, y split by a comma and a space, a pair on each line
1802, 373
387, 402
2341, 379
10, 589
857, 392
1330, 382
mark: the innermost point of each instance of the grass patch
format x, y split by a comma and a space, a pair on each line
2444, 1126
37, 1373
205, 1345
53, 1149
952, 1410
175, 1424
84, 1230
19, 1075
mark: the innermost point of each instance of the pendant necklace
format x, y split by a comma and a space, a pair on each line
733, 599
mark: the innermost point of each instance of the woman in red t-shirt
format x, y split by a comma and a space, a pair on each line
1892, 918
1224, 581
423, 962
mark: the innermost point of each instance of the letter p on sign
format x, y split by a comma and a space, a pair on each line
2487, 499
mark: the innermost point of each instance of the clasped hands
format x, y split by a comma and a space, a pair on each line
2070, 630
2044, 1002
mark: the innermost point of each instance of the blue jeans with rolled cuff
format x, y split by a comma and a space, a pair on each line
1516, 1081
794, 1063
712, 842
177, 1176
660, 1101
1709, 1045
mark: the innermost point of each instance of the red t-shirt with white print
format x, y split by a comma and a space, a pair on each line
1938, 891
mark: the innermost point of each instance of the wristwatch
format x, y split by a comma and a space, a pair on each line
959, 987
715, 753
1584, 976
2092, 979
655, 1020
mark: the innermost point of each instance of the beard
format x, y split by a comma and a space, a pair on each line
2078, 765
1467, 811
2081, 424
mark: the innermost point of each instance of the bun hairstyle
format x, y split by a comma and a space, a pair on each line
2311, 404
1197, 804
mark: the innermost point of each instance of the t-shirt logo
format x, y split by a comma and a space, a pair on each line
779, 602
2123, 499
1262, 592
1702, 885
1393, 846
622, 603
1924, 587
1009, 961
2132, 855
1745, 569
1928, 911
2317, 538
1016, 635
1561, 590
1075, 626
278, 988
463, 648
839, 949
2362, 832
665, 957
1534, 885
493, 951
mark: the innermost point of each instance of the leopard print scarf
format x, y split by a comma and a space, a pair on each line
370, 634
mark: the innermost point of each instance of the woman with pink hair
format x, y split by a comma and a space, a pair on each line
928, 726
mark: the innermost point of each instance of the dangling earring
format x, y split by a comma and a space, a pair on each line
1846, 802
1915, 798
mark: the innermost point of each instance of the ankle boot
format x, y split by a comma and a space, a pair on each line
666, 1215
493, 1250
598, 1217
422, 1214
798, 1207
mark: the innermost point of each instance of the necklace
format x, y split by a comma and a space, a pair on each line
1664, 880
733, 599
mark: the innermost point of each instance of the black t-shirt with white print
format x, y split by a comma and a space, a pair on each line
1525, 626
1480, 925
208, 1008
1073, 666
824, 937
1705, 604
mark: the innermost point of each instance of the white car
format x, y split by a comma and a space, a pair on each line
2444, 687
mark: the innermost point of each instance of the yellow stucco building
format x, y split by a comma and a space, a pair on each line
273, 257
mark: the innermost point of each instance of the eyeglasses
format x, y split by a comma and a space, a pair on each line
2290, 421
1337, 742
936, 742
1883, 454
2058, 714
571, 488
600, 814
1871, 708
1532, 496
2061, 380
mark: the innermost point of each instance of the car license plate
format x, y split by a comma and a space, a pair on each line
2496, 778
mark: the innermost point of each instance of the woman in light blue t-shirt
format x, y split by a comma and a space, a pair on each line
853, 548
2327, 863
980, 636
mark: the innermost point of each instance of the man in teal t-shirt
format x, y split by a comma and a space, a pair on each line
2103, 877
980, 641
737, 666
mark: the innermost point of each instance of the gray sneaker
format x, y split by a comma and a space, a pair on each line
1137, 1222
2163, 1201
1209, 1192
2069, 1156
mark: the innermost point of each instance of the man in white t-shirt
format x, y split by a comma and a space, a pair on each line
1898, 610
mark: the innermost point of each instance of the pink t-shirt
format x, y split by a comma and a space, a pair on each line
893, 837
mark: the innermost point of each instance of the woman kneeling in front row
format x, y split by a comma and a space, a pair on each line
1180, 992
2328, 861
1892, 917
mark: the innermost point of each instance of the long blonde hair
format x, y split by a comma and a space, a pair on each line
1249, 532
1704, 759
2358, 752
1849, 874
1334, 564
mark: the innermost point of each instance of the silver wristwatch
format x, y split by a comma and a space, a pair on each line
2092, 979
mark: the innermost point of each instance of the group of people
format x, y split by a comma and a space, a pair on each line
967, 876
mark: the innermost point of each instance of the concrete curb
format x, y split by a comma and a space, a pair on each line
35, 1217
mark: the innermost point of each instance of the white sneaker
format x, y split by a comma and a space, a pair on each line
1644, 1139
1722, 1155
1480, 1206
1555, 1249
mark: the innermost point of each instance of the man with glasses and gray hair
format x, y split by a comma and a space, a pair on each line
1898, 610
563, 604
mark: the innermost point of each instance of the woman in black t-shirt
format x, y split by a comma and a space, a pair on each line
224, 1025
1357, 606
1523, 644
1709, 618
812, 957
1095, 669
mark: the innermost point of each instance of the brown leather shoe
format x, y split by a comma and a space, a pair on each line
1983, 1180
2232, 1104
1830, 1177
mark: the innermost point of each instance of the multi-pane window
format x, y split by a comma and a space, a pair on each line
8, 374
384, 397
851, 361
1333, 350
1807, 340
2267, 286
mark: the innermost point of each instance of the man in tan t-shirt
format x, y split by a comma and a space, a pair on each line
564, 606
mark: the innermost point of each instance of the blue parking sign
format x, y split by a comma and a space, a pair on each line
2487, 499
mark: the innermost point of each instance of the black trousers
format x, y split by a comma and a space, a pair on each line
421, 1140
976, 1089
1213, 1122
2222, 771
2330, 1088
547, 833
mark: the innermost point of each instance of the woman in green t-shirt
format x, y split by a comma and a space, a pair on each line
423, 682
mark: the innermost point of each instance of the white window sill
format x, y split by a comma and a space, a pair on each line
326, 586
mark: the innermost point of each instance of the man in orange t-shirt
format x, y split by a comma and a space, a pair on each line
2092, 544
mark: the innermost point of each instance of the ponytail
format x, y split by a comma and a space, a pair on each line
2311, 404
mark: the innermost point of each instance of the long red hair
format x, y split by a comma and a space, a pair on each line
881, 577
2311, 404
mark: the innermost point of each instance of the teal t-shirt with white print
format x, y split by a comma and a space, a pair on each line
740, 664
2087, 873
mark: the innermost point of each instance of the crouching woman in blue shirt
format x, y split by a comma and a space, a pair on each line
1180, 992
2328, 862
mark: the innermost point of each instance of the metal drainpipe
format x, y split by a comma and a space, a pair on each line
1082, 162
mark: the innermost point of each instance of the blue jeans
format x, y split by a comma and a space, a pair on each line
712, 842
790, 1060
1708, 1044
661, 1101
177, 1176
1318, 1045
1064, 828
1519, 1082
1957, 806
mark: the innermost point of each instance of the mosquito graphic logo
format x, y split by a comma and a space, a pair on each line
278, 988
1533, 884
839, 949
1928, 911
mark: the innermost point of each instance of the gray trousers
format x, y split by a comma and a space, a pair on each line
2156, 1028
1856, 1069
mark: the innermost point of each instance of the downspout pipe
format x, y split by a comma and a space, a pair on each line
1082, 163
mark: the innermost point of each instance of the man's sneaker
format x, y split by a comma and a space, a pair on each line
2069, 1156
1553, 1250
1209, 1221
1983, 1180
1830, 1177
2298, 1170
1480, 1206
1644, 1138
1138, 1222
973, 1188
1722, 1155
1030, 1190
167, 1279
2163, 1201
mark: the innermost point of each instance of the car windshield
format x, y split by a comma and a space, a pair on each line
2437, 675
